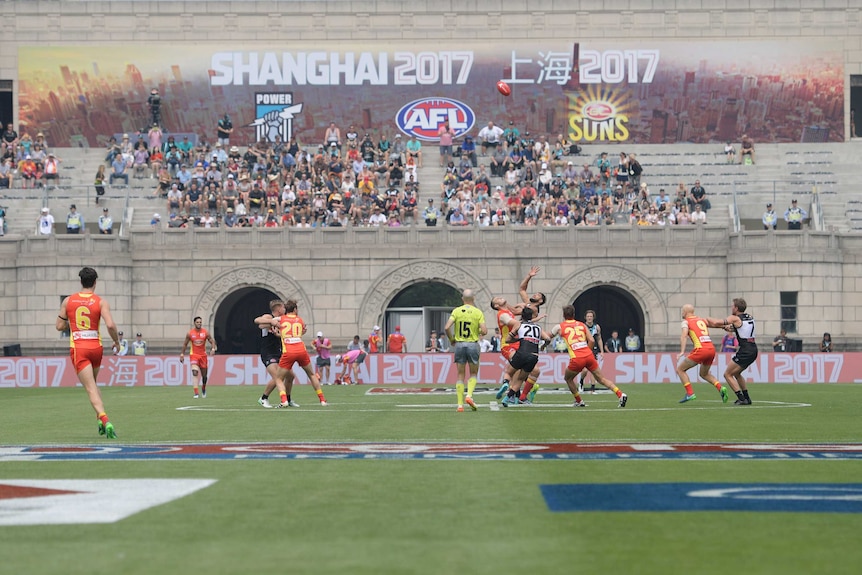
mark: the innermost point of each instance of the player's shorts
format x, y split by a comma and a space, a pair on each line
198, 360
702, 355
524, 361
82, 357
290, 357
323, 361
745, 356
508, 351
467, 352
578, 364
360, 359
268, 360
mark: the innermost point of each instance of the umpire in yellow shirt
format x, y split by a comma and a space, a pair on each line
464, 327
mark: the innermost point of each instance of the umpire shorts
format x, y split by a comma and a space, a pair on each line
467, 352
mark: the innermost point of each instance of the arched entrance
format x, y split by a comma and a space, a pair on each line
233, 328
615, 309
418, 309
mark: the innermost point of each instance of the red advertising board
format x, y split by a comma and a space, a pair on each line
424, 368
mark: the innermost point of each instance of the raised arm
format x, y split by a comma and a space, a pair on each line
522, 289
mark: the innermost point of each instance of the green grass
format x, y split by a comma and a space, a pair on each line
415, 516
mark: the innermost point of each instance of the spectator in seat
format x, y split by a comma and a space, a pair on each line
490, 136
698, 216
52, 169
729, 152
746, 149
468, 150
7, 173
697, 196
118, 170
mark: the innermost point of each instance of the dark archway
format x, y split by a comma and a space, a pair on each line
234, 329
615, 310
420, 308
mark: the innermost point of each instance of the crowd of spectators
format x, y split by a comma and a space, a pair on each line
503, 177
25, 161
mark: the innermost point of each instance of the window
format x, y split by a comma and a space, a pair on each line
788, 310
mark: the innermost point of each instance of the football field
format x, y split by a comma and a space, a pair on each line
390, 479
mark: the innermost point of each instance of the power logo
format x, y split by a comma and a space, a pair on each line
423, 118
274, 113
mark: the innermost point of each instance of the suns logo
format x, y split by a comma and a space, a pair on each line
423, 118
598, 114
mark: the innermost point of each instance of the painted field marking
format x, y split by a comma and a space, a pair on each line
600, 406
419, 450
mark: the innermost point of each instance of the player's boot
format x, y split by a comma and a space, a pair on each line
532, 395
109, 431
579, 404
460, 409
469, 401
195, 396
291, 403
503, 389
724, 395
623, 400
264, 403
688, 398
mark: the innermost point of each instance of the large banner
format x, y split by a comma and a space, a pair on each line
649, 91
424, 368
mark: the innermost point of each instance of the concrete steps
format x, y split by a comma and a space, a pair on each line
782, 171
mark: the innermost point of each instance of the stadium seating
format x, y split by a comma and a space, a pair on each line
783, 171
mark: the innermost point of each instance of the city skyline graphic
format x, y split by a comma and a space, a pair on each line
710, 92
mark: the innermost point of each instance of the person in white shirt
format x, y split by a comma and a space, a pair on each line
490, 136
698, 216
46, 222
208, 220
377, 219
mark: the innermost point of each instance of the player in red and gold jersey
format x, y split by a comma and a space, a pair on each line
581, 343
81, 314
198, 337
694, 329
507, 317
293, 350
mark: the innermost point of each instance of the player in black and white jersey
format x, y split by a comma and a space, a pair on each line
742, 324
530, 336
598, 348
270, 353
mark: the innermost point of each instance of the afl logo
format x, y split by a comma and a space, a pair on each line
423, 118
598, 111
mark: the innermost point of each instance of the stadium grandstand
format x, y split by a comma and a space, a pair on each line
299, 149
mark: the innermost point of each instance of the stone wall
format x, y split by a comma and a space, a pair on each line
345, 278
